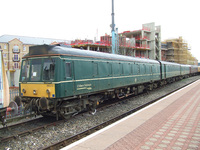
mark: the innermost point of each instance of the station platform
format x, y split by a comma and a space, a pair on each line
171, 123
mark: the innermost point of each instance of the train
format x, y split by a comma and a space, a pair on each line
60, 81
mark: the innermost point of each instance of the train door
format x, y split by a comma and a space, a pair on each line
180, 69
95, 81
165, 71
160, 70
69, 78
152, 70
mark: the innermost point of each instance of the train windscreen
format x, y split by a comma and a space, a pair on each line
35, 69
25, 70
48, 70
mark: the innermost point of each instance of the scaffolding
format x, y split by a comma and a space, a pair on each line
177, 51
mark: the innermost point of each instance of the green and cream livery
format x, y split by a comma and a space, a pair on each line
61, 81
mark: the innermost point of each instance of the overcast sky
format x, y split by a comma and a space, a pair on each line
72, 19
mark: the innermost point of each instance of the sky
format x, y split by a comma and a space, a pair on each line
87, 19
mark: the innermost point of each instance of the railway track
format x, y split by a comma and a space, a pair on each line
87, 132
73, 130
27, 127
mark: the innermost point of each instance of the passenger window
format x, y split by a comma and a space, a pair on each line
110, 69
95, 71
68, 69
138, 69
131, 68
121, 69
116, 70
144, 68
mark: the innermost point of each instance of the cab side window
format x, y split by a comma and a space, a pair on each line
68, 73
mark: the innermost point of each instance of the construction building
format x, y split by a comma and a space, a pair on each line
177, 51
143, 43
147, 41
163, 51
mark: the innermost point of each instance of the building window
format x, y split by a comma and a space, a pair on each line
24, 48
5, 47
16, 57
16, 65
5, 64
15, 49
4, 55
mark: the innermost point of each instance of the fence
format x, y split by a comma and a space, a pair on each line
13, 92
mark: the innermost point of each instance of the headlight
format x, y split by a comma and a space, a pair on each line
48, 91
24, 91
34, 92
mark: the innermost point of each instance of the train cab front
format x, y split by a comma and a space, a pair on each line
37, 87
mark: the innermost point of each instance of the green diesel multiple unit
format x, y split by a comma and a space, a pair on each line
61, 81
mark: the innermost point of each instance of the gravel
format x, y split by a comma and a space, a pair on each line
79, 123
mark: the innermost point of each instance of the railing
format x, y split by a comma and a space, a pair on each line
12, 93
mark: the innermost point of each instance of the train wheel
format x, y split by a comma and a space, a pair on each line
93, 106
93, 112
18, 100
63, 116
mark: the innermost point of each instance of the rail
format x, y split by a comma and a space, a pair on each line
14, 129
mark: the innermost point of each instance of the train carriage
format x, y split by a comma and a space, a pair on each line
193, 69
198, 69
185, 70
61, 80
170, 71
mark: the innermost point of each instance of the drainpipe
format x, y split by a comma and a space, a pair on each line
8, 58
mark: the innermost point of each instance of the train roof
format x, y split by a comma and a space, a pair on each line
169, 63
55, 50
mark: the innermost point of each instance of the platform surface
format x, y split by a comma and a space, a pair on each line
171, 123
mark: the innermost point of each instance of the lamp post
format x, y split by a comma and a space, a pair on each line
113, 29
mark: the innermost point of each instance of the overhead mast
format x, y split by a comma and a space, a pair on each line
113, 29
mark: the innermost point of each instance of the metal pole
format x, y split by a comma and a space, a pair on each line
113, 29
1, 81
117, 42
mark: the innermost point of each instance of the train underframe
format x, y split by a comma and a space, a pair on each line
67, 107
